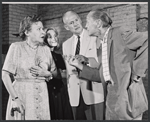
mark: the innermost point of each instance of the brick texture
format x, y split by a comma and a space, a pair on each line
121, 14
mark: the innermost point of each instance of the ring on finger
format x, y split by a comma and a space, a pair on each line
15, 109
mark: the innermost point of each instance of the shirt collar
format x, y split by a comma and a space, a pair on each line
81, 35
105, 35
98, 42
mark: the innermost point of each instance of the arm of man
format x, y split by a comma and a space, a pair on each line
90, 61
90, 73
93, 63
137, 41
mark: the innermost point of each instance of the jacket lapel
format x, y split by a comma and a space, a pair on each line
109, 42
85, 44
71, 50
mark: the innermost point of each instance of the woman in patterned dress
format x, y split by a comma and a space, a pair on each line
28, 98
60, 107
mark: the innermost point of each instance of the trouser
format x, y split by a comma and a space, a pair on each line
88, 112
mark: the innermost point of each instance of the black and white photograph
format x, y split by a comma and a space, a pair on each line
74, 61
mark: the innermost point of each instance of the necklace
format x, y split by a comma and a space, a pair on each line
31, 46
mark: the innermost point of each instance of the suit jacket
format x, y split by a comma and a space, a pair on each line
92, 92
128, 55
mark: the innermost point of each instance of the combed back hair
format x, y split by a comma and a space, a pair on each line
25, 25
47, 35
103, 16
68, 12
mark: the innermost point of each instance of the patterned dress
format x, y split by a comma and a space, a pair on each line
32, 91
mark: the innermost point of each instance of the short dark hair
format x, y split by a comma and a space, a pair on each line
26, 23
103, 16
46, 37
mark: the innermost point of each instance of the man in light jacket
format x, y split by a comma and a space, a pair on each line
86, 98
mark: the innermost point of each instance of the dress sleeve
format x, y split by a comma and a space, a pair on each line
61, 62
53, 66
10, 64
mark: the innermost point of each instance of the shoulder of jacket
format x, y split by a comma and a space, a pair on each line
68, 41
123, 29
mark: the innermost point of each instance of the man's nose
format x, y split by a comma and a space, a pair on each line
75, 23
43, 32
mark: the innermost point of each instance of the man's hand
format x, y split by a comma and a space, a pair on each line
76, 63
82, 59
135, 78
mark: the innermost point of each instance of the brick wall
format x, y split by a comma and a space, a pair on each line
51, 14
16, 14
121, 14
12, 15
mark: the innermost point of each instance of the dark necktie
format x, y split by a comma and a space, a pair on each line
78, 50
78, 46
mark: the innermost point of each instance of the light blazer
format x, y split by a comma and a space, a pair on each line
128, 54
92, 92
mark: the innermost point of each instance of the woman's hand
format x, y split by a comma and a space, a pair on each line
63, 73
17, 106
67, 57
40, 72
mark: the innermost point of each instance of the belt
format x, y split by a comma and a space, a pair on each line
29, 80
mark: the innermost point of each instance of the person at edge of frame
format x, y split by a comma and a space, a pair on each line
124, 57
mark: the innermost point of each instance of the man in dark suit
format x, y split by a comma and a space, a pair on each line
123, 59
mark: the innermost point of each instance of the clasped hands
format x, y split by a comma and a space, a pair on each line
77, 61
38, 71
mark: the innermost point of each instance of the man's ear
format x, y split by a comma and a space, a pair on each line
26, 33
99, 23
66, 27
